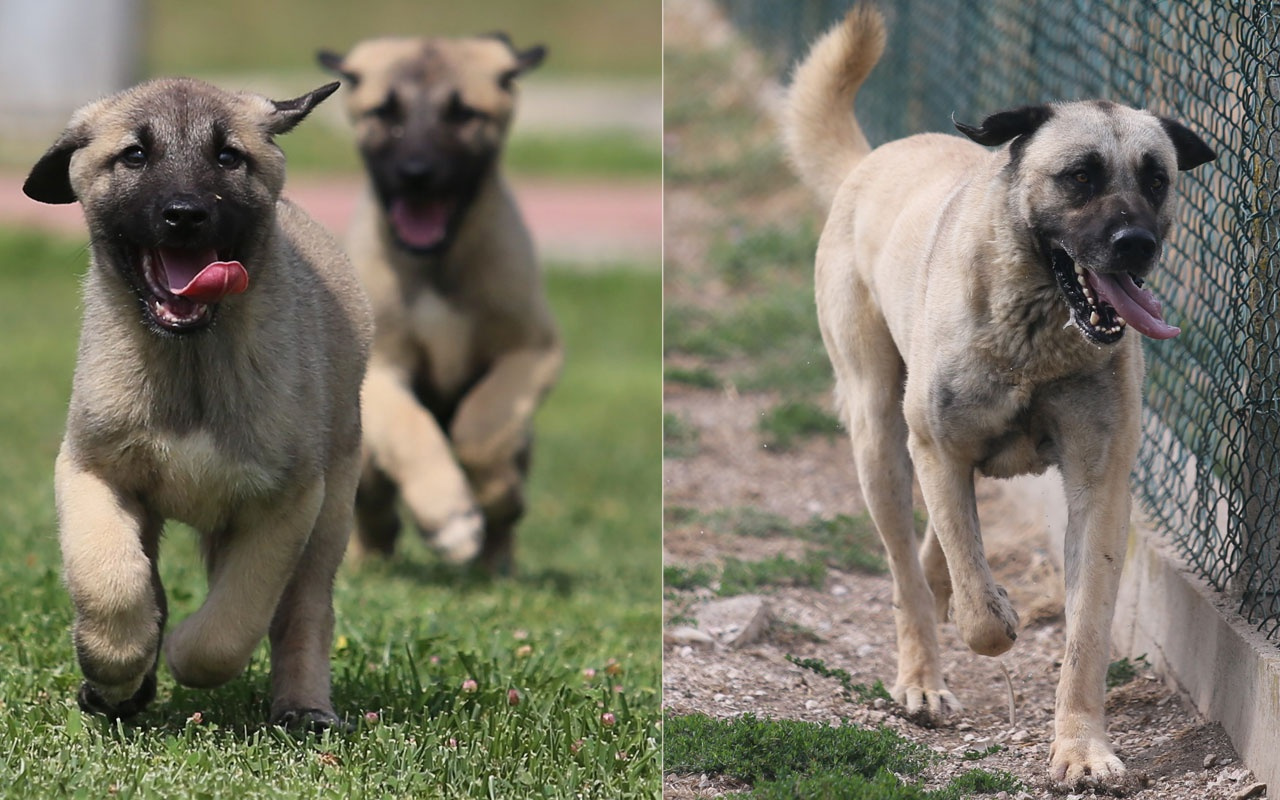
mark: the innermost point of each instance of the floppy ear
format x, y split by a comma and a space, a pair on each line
50, 178
1002, 126
288, 113
333, 62
1191, 149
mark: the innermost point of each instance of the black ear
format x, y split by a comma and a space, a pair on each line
1191, 149
50, 178
1002, 126
525, 59
333, 62
288, 113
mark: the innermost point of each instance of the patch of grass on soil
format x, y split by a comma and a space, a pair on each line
855, 692
1122, 671
789, 759
697, 377
746, 577
787, 423
679, 438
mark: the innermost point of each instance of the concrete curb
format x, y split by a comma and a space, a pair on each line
1189, 634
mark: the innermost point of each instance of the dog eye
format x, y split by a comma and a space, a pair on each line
134, 157
1158, 182
1081, 177
388, 111
459, 112
230, 158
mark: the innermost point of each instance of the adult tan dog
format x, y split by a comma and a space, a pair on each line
466, 346
224, 342
974, 305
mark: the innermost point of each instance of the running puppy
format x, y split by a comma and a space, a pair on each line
224, 341
466, 347
975, 306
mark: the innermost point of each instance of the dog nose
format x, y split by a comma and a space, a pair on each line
414, 171
1134, 244
184, 214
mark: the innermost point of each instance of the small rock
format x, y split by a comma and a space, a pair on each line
688, 635
1019, 736
864, 650
1253, 790
1210, 760
839, 591
735, 621
964, 726
879, 703
686, 651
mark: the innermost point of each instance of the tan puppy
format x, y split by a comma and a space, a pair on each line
224, 342
974, 305
465, 347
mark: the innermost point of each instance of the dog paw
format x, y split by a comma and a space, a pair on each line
93, 700
315, 720
1081, 763
989, 626
926, 707
459, 540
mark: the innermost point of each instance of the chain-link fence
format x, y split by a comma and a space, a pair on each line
1209, 470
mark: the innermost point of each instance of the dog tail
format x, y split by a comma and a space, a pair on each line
822, 137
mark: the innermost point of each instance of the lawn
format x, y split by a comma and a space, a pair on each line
565, 657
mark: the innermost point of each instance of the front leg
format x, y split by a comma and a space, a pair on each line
491, 435
1095, 473
982, 611
109, 546
408, 449
249, 566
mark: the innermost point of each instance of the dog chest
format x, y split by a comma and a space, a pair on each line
199, 482
446, 335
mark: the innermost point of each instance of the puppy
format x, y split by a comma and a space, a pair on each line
466, 347
224, 342
975, 307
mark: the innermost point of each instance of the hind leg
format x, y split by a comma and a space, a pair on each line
377, 520
936, 573
869, 382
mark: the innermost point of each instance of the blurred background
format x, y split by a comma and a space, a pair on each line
592, 112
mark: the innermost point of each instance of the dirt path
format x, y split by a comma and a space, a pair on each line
847, 622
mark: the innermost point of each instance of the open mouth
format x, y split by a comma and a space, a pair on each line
1102, 305
421, 223
183, 286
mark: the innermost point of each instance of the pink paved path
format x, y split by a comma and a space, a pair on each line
585, 222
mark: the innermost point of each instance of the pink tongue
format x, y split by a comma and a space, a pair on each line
1140, 308
419, 224
200, 276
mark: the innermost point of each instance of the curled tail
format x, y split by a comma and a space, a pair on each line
822, 137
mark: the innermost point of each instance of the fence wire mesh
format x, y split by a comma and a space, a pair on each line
1208, 474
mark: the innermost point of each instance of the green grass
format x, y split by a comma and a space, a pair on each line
614, 38
576, 634
842, 542
790, 759
854, 692
679, 437
697, 377
1122, 671
787, 423
746, 255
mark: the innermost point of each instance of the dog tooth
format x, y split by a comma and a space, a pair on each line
1079, 270
1094, 319
1120, 323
